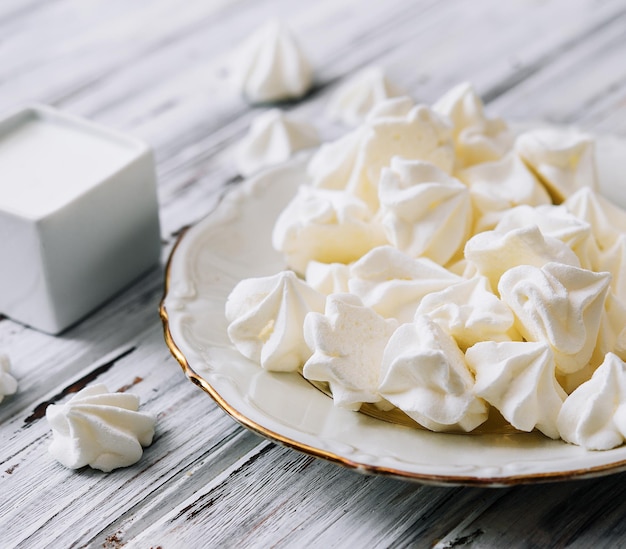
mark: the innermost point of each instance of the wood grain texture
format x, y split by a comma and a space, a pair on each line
158, 69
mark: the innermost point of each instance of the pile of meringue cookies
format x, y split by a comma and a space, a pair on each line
441, 264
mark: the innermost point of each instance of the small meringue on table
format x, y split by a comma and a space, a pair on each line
273, 137
98, 428
8, 384
270, 66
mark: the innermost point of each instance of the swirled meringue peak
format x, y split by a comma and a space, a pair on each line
424, 211
355, 98
393, 283
469, 312
563, 159
518, 378
273, 138
560, 305
326, 226
424, 374
493, 252
594, 415
495, 187
270, 66
266, 317
395, 107
8, 384
347, 341
101, 429
333, 163
477, 138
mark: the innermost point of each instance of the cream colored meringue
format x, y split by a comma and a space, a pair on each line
393, 283
326, 226
469, 312
355, 98
101, 429
328, 278
273, 137
421, 135
270, 66
8, 384
333, 163
594, 415
495, 187
424, 211
563, 159
424, 374
494, 252
560, 305
518, 378
612, 332
347, 341
265, 318
477, 139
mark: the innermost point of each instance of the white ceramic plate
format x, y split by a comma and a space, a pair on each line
233, 243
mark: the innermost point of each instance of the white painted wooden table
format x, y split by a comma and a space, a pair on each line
154, 69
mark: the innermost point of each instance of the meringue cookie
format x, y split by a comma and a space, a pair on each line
425, 375
328, 278
332, 164
563, 159
393, 284
273, 138
477, 138
493, 252
326, 226
594, 415
101, 429
423, 210
394, 107
266, 316
495, 187
518, 378
469, 312
356, 97
347, 341
612, 332
8, 384
270, 66
560, 305
421, 135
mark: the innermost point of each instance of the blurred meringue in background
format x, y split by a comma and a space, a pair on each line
8, 384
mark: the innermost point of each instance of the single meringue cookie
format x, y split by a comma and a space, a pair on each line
424, 211
270, 66
560, 305
469, 312
477, 138
606, 251
425, 375
347, 341
355, 98
328, 278
393, 283
421, 135
333, 163
266, 316
394, 107
518, 378
594, 415
8, 384
494, 252
273, 138
495, 187
326, 226
101, 429
563, 159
